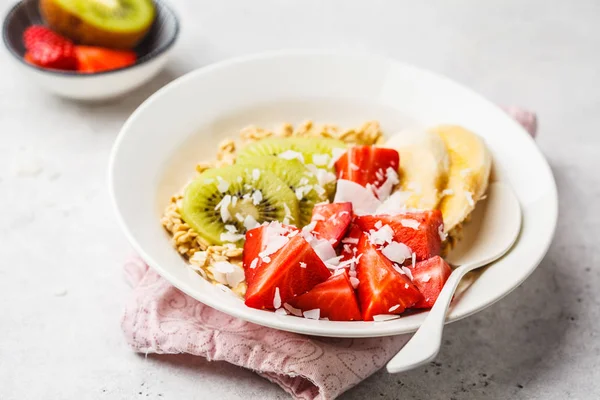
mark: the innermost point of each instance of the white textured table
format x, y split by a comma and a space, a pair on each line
61, 290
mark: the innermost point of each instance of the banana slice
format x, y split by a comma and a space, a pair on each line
424, 166
470, 165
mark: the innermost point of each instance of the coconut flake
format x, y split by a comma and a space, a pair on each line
336, 154
354, 167
310, 227
384, 317
223, 207
231, 228
239, 217
281, 311
410, 223
354, 282
335, 261
469, 197
274, 243
350, 240
223, 185
257, 197
303, 182
383, 235
426, 278
338, 271
391, 180
291, 154
255, 174
293, 233
443, 235
323, 248
363, 200
277, 299
319, 189
325, 177
378, 224
394, 308
302, 264
231, 237
407, 272
254, 263
293, 310
395, 204
312, 314
318, 217
414, 261
320, 159
250, 222
396, 252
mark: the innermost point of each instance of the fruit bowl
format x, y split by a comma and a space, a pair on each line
159, 146
152, 53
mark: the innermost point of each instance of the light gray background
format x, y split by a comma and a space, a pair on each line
58, 234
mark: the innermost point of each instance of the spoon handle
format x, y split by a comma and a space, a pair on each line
425, 343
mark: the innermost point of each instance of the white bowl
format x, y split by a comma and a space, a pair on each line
152, 53
182, 123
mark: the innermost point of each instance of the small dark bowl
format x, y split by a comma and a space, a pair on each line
152, 55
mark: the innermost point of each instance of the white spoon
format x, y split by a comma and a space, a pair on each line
493, 232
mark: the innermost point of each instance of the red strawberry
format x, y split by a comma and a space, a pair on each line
350, 242
334, 298
256, 241
48, 49
425, 240
252, 246
92, 59
430, 277
332, 221
367, 164
382, 289
292, 270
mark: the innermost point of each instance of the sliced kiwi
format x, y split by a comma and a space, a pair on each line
220, 200
264, 147
297, 177
117, 24
310, 147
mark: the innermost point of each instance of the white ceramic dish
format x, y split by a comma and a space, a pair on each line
182, 123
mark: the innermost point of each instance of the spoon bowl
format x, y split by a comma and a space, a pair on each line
497, 223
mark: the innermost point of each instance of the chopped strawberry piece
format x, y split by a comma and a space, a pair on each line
48, 49
350, 242
252, 246
335, 298
430, 277
382, 289
92, 59
419, 230
332, 221
367, 165
292, 270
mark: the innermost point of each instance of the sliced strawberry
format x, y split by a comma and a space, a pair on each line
331, 221
350, 242
252, 246
419, 230
292, 270
367, 165
382, 289
92, 59
48, 49
335, 299
430, 277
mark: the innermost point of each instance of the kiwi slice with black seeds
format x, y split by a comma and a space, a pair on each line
220, 202
297, 177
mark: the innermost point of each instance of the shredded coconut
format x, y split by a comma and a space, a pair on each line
277, 299
312, 314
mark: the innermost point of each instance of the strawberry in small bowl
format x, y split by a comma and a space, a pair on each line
71, 67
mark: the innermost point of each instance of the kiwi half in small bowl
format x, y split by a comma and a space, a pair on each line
152, 50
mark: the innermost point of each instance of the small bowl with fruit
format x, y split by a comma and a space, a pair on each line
90, 49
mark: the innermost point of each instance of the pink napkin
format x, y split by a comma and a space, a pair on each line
160, 319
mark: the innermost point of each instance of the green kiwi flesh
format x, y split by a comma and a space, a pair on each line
297, 177
209, 207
